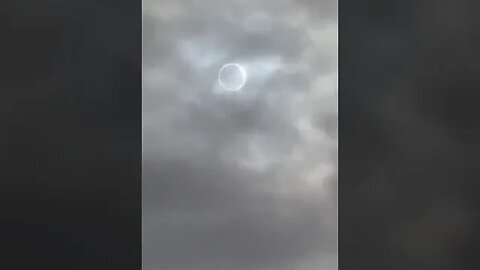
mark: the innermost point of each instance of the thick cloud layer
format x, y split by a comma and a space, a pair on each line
245, 179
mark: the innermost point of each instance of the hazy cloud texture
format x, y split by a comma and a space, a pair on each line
240, 180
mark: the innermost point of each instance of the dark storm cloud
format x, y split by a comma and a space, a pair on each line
239, 180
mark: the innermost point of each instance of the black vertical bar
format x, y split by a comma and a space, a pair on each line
70, 135
408, 123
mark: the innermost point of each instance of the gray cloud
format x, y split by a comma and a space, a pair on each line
240, 180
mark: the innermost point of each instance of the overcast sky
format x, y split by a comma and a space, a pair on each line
240, 180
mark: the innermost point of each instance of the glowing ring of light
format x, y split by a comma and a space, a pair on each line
243, 75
